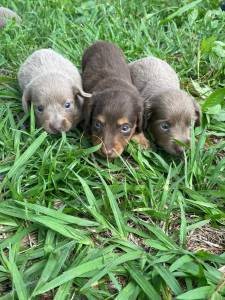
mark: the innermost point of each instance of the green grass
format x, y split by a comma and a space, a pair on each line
75, 226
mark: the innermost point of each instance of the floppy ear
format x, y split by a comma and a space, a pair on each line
139, 127
147, 114
87, 111
197, 113
80, 92
26, 99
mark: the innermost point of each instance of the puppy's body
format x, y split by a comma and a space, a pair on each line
168, 111
114, 112
53, 84
7, 14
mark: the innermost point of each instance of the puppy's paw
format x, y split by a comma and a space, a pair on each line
141, 140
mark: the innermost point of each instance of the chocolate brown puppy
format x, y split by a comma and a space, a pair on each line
114, 113
7, 14
169, 111
53, 84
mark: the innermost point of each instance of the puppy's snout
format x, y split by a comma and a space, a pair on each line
107, 151
59, 126
179, 149
54, 128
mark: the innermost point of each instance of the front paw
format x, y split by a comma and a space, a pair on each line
141, 140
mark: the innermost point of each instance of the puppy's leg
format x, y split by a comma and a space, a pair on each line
141, 140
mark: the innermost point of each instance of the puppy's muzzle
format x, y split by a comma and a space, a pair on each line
57, 127
180, 149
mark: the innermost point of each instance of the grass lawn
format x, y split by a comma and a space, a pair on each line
145, 226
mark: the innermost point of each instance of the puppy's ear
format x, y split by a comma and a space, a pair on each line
84, 94
80, 92
139, 127
26, 99
147, 114
197, 113
87, 111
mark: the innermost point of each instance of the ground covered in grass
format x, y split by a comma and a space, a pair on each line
146, 226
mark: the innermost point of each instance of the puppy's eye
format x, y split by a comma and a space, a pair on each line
67, 104
165, 126
40, 108
98, 125
125, 128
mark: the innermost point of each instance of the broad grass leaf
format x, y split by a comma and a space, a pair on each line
180, 262
207, 44
169, 278
24, 158
128, 292
167, 241
180, 11
47, 271
49, 222
58, 215
63, 291
90, 196
17, 279
117, 262
200, 293
115, 209
216, 98
93, 208
83, 268
144, 284
65, 230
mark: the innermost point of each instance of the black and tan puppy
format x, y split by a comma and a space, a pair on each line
113, 115
169, 111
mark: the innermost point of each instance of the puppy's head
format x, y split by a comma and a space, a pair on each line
112, 117
57, 103
172, 113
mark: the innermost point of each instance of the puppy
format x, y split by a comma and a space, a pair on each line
6, 14
114, 113
168, 111
53, 84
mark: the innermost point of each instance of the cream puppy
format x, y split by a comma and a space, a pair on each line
7, 14
53, 84
168, 110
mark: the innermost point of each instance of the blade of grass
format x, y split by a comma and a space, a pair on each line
144, 284
180, 11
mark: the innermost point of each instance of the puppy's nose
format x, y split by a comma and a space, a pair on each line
63, 124
108, 152
179, 149
54, 128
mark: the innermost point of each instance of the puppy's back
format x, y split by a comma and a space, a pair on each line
45, 61
103, 60
152, 75
6, 14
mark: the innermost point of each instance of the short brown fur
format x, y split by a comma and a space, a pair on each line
165, 103
107, 76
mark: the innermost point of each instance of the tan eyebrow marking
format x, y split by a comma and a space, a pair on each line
122, 121
101, 118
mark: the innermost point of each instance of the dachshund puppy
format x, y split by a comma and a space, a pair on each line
168, 111
53, 84
7, 14
114, 113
